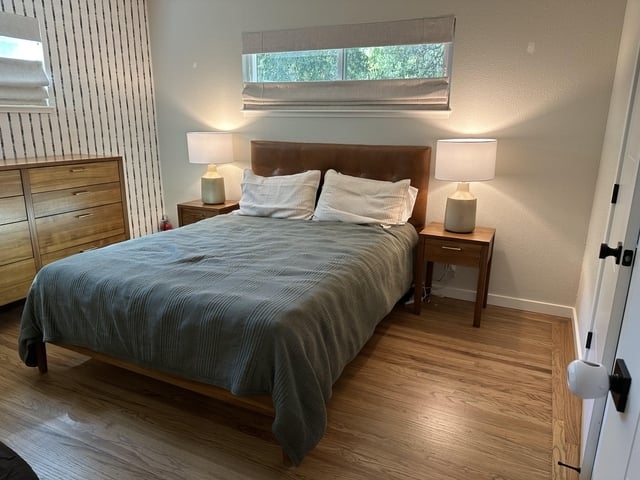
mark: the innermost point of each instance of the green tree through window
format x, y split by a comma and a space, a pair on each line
368, 63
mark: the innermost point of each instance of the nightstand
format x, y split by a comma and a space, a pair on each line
473, 249
194, 211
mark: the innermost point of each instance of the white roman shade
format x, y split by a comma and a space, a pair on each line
399, 32
394, 94
403, 94
23, 82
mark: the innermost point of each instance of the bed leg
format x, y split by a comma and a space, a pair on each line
41, 357
286, 461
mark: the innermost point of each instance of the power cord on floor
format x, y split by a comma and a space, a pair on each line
409, 297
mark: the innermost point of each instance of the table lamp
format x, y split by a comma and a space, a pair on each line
464, 160
211, 148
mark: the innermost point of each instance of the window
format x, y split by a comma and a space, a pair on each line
24, 83
402, 65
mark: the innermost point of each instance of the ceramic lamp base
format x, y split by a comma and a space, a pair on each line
460, 212
212, 186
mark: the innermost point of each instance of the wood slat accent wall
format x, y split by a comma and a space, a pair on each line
99, 61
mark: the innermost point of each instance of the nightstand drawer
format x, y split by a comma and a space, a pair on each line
195, 210
191, 215
447, 251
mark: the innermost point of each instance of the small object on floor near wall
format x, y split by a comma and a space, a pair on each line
165, 224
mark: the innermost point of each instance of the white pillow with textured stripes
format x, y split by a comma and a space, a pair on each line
361, 200
283, 196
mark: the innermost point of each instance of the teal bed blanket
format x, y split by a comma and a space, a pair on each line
257, 306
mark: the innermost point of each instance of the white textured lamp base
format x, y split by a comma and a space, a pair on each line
460, 213
212, 186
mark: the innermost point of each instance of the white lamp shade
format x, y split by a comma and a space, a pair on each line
210, 147
466, 159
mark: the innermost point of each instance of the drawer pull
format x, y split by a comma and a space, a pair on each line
457, 249
81, 192
88, 249
84, 215
78, 170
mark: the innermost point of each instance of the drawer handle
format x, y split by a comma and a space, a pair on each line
457, 249
84, 215
88, 249
81, 192
77, 170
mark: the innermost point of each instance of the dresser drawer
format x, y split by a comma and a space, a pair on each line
62, 177
15, 280
59, 232
16, 243
62, 201
59, 254
10, 183
448, 251
12, 209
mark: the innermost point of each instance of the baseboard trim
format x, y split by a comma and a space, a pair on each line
576, 334
510, 302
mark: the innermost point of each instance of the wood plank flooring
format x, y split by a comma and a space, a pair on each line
429, 397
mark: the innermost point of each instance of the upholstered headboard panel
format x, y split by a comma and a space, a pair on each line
379, 162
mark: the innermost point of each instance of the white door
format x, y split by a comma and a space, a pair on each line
618, 450
611, 294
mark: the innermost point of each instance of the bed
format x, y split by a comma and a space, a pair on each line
261, 308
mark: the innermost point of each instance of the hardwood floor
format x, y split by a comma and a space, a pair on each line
429, 397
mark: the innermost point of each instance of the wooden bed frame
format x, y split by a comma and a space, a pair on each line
269, 158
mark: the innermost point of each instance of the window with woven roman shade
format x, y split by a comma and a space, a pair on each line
397, 65
24, 83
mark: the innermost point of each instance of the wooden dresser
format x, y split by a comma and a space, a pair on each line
53, 207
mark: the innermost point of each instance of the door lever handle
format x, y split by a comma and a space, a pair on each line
607, 251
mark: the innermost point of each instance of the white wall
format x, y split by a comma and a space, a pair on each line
548, 109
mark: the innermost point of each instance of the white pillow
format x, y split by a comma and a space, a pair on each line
284, 196
362, 200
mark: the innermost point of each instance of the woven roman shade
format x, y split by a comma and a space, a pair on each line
22, 82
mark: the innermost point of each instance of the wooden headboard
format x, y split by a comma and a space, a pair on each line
378, 162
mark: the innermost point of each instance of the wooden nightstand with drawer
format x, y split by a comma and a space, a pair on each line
194, 211
473, 249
